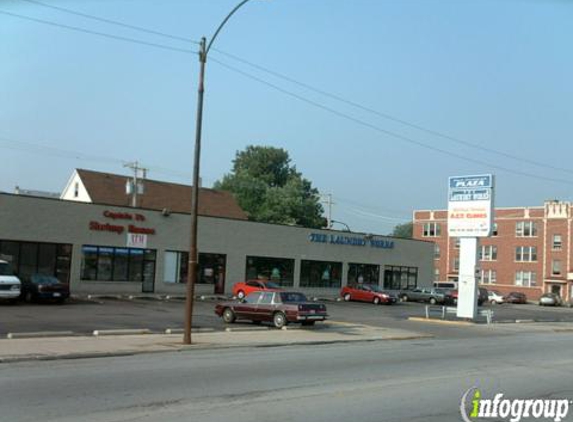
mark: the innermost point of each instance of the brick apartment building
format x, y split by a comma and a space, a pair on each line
529, 251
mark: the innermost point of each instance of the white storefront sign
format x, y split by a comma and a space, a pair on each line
136, 240
470, 212
470, 206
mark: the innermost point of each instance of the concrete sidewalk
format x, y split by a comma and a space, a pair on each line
74, 347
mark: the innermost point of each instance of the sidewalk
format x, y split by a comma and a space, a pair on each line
122, 345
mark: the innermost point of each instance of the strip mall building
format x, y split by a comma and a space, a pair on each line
530, 250
92, 239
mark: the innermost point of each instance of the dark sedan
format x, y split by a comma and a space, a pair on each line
44, 287
280, 308
515, 297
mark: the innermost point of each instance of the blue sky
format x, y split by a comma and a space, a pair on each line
496, 74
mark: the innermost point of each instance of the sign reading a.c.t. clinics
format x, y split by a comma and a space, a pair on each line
470, 205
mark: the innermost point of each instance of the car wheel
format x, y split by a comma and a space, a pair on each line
229, 316
279, 320
493, 302
308, 323
433, 301
376, 301
405, 298
347, 297
241, 294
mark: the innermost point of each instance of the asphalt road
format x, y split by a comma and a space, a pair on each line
84, 317
420, 380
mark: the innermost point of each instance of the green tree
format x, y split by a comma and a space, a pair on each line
405, 230
271, 190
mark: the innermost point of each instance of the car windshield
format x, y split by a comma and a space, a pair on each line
375, 288
6, 269
44, 280
293, 297
271, 285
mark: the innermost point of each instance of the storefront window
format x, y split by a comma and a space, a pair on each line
121, 264
363, 273
320, 274
278, 270
400, 278
211, 268
117, 264
29, 258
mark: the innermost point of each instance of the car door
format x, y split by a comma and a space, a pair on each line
415, 295
247, 308
265, 307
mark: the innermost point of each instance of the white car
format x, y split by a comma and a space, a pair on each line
9, 284
494, 297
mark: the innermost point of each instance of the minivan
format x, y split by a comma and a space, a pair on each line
449, 285
9, 283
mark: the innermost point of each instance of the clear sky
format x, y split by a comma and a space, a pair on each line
496, 74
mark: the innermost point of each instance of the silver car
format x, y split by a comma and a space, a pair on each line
550, 299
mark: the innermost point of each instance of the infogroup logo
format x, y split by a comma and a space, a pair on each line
474, 407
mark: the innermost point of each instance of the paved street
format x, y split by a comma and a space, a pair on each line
419, 380
84, 317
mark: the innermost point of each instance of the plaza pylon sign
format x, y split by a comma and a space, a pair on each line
470, 205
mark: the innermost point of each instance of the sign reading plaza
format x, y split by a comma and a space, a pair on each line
470, 205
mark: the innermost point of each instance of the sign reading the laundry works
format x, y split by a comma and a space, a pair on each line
119, 229
337, 239
470, 205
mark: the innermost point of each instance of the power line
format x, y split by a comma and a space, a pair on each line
300, 98
390, 117
313, 89
35, 148
113, 22
387, 132
101, 34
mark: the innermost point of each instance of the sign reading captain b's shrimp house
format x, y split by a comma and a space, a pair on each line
470, 205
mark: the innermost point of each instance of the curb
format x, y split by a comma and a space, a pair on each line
194, 330
442, 321
202, 346
121, 332
41, 334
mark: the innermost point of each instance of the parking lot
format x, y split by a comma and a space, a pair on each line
85, 316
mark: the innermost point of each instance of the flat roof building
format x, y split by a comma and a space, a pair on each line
529, 251
112, 248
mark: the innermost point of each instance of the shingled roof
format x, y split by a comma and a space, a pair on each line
109, 189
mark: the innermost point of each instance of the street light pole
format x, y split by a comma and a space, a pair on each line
193, 263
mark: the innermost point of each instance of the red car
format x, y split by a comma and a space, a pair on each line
367, 293
278, 307
242, 289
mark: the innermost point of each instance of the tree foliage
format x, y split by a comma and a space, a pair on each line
405, 230
271, 190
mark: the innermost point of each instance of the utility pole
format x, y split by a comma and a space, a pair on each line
135, 187
329, 204
193, 263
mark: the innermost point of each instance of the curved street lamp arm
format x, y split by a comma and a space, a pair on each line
222, 25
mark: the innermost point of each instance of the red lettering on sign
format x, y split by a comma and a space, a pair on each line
106, 227
140, 230
118, 215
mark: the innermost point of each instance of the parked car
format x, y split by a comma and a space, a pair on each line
242, 289
448, 285
278, 307
550, 299
9, 284
44, 287
451, 297
494, 297
515, 297
483, 296
433, 296
367, 293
